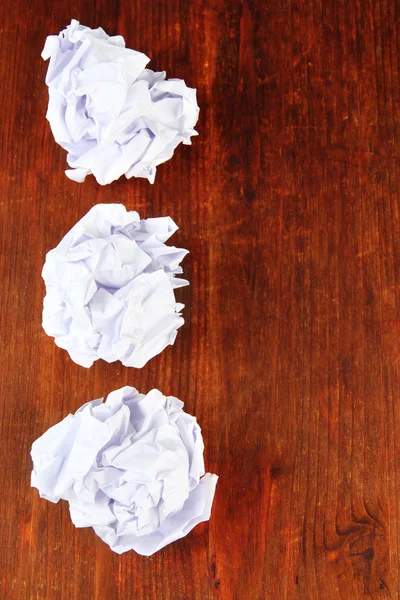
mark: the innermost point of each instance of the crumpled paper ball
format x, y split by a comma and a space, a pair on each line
132, 468
110, 287
113, 116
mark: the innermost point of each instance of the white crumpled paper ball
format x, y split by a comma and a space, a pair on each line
110, 287
113, 116
131, 468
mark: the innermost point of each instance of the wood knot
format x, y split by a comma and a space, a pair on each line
213, 566
368, 554
275, 471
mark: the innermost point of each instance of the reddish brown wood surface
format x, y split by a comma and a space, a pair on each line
289, 203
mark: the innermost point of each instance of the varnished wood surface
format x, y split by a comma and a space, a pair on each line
289, 203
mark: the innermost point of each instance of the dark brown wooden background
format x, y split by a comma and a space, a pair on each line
289, 203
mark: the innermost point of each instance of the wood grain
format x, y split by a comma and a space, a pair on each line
289, 203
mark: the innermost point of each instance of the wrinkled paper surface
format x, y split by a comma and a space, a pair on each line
113, 116
132, 468
110, 287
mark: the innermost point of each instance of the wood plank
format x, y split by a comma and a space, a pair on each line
289, 204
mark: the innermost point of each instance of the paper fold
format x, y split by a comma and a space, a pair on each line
112, 115
110, 287
132, 468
